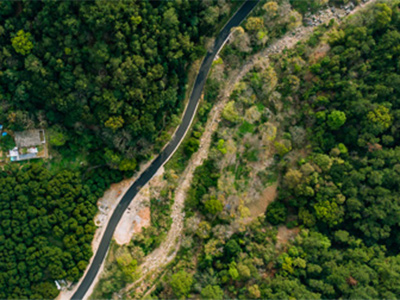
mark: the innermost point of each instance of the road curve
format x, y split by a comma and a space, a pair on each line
164, 156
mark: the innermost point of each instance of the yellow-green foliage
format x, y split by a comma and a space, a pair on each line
67, 51
22, 42
254, 23
230, 113
127, 264
295, 19
329, 212
221, 146
293, 178
218, 61
283, 148
203, 231
271, 8
233, 272
213, 206
114, 123
128, 164
380, 116
287, 263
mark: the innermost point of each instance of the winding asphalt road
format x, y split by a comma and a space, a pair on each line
168, 151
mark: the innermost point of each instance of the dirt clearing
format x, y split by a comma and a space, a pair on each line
259, 207
285, 235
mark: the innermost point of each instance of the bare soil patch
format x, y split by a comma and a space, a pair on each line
319, 53
133, 218
137, 215
285, 235
259, 206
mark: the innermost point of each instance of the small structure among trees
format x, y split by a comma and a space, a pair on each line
28, 144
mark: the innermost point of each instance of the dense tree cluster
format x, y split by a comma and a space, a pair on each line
346, 191
351, 179
46, 228
106, 76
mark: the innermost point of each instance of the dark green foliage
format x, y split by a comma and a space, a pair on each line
105, 75
191, 146
359, 116
276, 213
46, 229
204, 178
232, 249
6, 143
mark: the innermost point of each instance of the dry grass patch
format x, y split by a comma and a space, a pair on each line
285, 235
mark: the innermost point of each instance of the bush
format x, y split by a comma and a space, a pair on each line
276, 213
181, 283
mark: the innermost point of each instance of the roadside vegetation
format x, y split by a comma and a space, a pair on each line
331, 132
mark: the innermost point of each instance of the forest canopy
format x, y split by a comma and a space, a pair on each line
105, 77
46, 228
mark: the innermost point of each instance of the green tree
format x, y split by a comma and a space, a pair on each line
57, 136
323, 161
293, 178
128, 164
7, 143
336, 119
271, 8
230, 113
213, 206
254, 292
221, 146
181, 283
191, 146
329, 212
22, 42
213, 292
380, 116
171, 18
254, 23
276, 213
383, 15
114, 123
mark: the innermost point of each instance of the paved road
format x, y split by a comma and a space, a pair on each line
164, 156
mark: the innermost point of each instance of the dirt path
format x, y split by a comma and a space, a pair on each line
160, 257
290, 39
153, 265
166, 252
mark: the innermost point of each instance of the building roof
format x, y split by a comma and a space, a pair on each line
14, 152
29, 138
33, 150
27, 156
